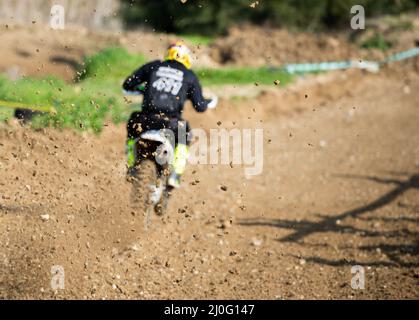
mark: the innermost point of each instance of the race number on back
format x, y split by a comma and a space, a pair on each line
168, 80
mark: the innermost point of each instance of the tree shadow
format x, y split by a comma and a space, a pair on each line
335, 223
393, 252
305, 228
390, 219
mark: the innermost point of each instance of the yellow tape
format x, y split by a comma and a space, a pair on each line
20, 105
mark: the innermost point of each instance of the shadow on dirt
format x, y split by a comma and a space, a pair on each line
336, 224
394, 254
20, 209
70, 62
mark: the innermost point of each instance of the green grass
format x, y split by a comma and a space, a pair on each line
196, 39
111, 63
85, 105
96, 94
117, 63
241, 76
377, 41
6, 114
81, 107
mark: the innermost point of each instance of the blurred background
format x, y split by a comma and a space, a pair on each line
235, 42
201, 16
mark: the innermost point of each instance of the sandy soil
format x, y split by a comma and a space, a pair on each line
339, 188
40, 51
242, 45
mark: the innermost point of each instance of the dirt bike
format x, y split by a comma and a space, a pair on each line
151, 191
154, 150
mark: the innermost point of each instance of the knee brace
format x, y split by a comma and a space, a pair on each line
180, 158
130, 152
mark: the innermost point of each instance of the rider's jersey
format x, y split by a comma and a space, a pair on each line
168, 84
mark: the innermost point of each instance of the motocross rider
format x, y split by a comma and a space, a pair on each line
167, 86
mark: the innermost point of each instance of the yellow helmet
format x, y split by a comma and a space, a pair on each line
180, 52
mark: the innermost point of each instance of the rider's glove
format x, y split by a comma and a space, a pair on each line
212, 103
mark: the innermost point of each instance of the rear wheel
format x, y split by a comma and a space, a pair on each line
143, 184
161, 207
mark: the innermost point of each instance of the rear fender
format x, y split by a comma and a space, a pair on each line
165, 151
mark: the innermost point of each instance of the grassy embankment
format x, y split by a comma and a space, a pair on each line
96, 95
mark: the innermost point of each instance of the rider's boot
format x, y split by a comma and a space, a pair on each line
178, 165
161, 206
174, 180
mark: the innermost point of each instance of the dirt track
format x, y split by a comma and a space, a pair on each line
40, 51
339, 188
